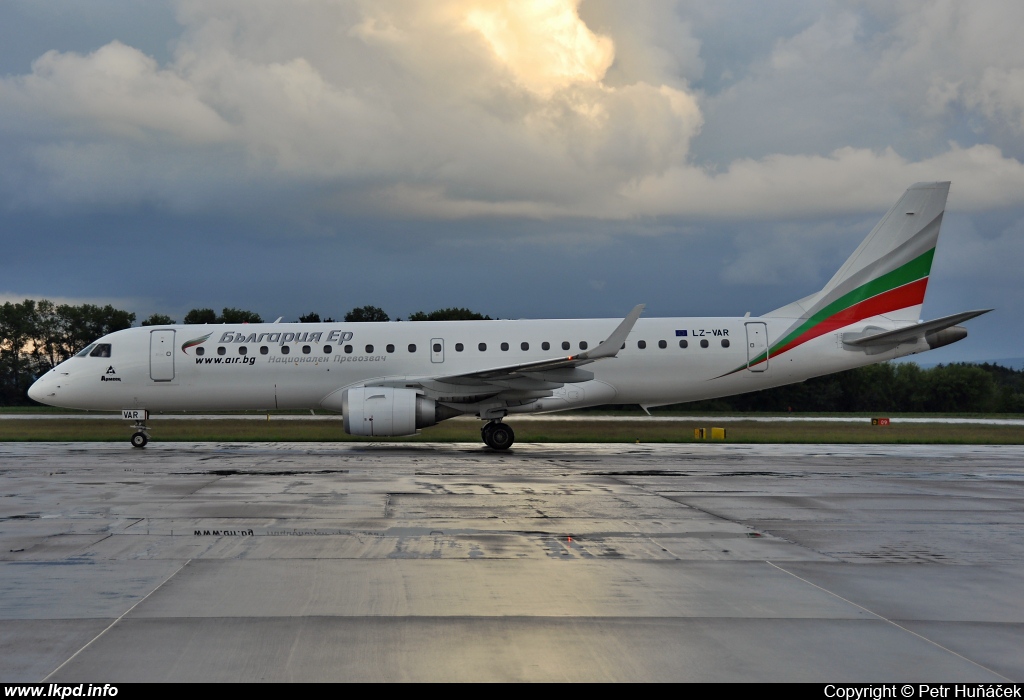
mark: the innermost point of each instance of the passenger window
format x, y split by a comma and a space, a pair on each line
565, 344
412, 347
459, 347
683, 344
437, 347
285, 349
583, 345
725, 342
88, 348
306, 349
524, 346
642, 344
662, 344
504, 346
242, 350
221, 350
200, 351
704, 343
390, 348
328, 349
348, 349
263, 349
545, 345
369, 349
482, 347
101, 350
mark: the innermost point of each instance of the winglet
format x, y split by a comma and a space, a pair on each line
611, 346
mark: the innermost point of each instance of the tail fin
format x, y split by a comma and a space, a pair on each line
888, 273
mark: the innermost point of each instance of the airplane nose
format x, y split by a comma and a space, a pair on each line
37, 390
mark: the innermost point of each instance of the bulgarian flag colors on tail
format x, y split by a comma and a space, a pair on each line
886, 276
899, 289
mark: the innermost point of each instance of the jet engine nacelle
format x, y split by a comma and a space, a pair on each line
945, 336
386, 412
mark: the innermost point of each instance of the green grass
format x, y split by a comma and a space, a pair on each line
464, 430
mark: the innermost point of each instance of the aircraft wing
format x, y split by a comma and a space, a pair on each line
535, 378
559, 369
607, 348
919, 330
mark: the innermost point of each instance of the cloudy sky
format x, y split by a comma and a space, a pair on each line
523, 158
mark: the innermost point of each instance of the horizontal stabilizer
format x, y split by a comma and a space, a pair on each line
910, 333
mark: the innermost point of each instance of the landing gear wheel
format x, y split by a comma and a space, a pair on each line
502, 436
139, 439
498, 436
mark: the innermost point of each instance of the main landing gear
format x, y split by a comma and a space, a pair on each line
497, 435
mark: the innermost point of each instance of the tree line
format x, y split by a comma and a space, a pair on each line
376, 314
38, 335
888, 387
361, 314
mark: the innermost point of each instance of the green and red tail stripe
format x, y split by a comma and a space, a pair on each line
901, 288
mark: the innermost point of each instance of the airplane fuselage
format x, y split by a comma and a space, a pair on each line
298, 366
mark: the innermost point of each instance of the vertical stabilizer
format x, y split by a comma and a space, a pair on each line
896, 257
885, 277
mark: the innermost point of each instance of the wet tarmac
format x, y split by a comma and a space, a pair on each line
542, 418
441, 562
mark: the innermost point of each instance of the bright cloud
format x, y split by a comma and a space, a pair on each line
498, 103
848, 180
116, 91
543, 42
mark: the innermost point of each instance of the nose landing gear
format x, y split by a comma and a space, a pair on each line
141, 435
497, 435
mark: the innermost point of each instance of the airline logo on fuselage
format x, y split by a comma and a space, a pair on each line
194, 342
335, 336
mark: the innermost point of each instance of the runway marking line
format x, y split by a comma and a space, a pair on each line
120, 617
885, 619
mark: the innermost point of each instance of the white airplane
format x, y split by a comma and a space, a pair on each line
391, 379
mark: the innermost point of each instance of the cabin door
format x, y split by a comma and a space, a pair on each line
757, 347
437, 350
161, 356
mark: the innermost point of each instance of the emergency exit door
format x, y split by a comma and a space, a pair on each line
437, 350
161, 356
757, 347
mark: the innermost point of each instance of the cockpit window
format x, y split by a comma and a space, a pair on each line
101, 350
86, 350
